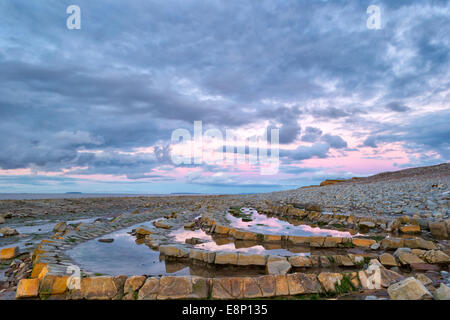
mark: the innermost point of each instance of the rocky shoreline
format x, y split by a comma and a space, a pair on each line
400, 222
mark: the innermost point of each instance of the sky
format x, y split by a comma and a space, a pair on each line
95, 109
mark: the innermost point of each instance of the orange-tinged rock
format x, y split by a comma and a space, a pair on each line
410, 228
27, 288
9, 253
37, 269
271, 237
363, 242
53, 285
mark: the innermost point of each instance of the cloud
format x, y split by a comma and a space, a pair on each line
334, 141
86, 101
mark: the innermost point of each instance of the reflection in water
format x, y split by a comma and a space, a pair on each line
229, 245
271, 225
122, 257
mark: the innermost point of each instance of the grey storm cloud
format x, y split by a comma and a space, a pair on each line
334, 141
311, 134
138, 70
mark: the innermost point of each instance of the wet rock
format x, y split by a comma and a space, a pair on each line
410, 229
189, 225
387, 259
163, 224
436, 256
366, 243
221, 229
193, 241
251, 259
8, 232
408, 289
9, 253
143, 231
174, 251
60, 227
329, 280
300, 261
226, 258
442, 293
278, 267
366, 225
27, 288
106, 240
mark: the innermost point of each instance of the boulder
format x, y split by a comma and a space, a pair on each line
401, 250
251, 259
329, 280
409, 258
387, 259
222, 229
419, 243
8, 232
27, 288
278, 267
300, 261
424, 279
174, 251
143, 231
60, 227
439, 229
392, 243
442, 293
163, 224
9, 253
408, 289
423, 267
365, 225
436, 256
